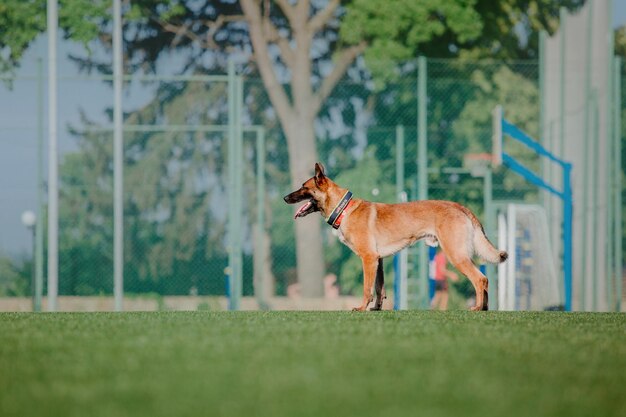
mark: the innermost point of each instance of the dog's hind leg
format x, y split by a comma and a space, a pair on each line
478, 280
379, 286
370, 263
455, 237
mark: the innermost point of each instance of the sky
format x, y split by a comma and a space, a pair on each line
18, 130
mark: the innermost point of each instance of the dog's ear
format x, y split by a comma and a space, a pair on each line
319, 169
320, 178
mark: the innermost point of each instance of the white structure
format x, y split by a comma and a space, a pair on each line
528, 279
577, 126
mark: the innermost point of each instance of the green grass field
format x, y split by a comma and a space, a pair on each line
313, 364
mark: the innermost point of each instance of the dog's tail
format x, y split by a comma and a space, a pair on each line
482, 246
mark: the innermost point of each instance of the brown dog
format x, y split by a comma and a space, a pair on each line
376, 230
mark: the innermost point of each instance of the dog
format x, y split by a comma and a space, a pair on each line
376, 230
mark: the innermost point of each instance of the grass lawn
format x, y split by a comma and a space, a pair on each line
413, 363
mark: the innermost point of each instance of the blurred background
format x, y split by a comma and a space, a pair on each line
224, 107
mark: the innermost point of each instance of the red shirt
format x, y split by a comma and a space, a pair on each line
440, 266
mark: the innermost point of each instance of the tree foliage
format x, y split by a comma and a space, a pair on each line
23, 20
15, 276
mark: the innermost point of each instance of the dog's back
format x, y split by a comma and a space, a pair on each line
436, 221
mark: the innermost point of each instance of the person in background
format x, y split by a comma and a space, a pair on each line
440, 300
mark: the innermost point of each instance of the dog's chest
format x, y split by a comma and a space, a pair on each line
342, 238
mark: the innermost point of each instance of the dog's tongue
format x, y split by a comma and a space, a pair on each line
302, 208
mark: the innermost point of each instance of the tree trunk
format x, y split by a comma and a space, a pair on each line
297, 113
263, 278
310, 259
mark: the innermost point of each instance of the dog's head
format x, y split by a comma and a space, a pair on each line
313, 191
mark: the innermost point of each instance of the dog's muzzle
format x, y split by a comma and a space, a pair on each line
305, 209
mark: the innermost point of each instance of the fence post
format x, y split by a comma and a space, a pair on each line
232, 305
260, 289
235, 152
609, 169
617, 153
489, 229
40, 206
53, 159
400, 259
563, 22
238, 190
594, 193
542, 111
422, 161
586, 176
118, 161
399, 162
567, 235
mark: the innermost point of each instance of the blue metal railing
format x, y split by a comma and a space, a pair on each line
565, 195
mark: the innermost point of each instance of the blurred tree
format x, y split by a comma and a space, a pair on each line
496, 84
23, 20
620, 41
15, 276
506, 29
511, 27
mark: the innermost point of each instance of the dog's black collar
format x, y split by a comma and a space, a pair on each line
334, 215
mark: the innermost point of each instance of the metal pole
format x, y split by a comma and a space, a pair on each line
232, 304
53, 184
235, 163
33, 275
512, 261
238, 190
489, 229
400, 163
496, 140
555, 234
567, 235
617, 152
544, 197
40, 206
609, 169
586, 167
594, 198
118, 160
260, 201
562, 30
399, 262
561, 147
422, 173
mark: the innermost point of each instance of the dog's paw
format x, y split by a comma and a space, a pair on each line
358, 308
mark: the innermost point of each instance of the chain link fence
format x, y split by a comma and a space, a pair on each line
176, 179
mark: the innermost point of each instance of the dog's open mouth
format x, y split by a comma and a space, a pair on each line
307, 208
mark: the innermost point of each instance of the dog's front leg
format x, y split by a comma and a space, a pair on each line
379, 286
370, 263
